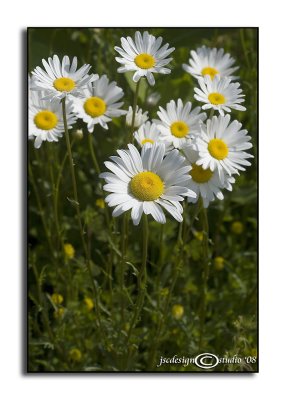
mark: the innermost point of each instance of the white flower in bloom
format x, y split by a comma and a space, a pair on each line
222, 146
46, 118
61, 79
219, 94
149, 133
144, 56
99, 103
212, 62
205, 183
178, 124
140, 117
147, 182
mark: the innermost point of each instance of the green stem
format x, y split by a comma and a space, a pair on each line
244, 46
76, 203
92, 152
97, 168
131, 137
41, 210
142, 283
205, 274
122, 263
176, 272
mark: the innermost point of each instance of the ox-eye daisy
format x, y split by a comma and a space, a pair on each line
144, 56
147, 182
140, 117
222, 146
219, 94
212, 62
178, 124
205, 183
149, 133
61, 78
99, 103
46, 119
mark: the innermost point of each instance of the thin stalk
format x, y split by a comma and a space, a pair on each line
142, 283
176, 272
92, 152
41, 210
97, 168
122, 264
244, 46
131, 138
159, 265
76, 202
205, 274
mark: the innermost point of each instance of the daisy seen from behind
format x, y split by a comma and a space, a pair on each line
221, 145
144, 55
212, 62
178, 124
99, 103
220, 94
205, 183
139, 119
150, 133
46, 118
147, 183
61, 79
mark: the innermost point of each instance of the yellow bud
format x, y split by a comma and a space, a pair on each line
100, 203
177, 311
89, 303
75, 354
219, 263
57, 298
199, 235
237, 228
59, 313
164, 292
69, 250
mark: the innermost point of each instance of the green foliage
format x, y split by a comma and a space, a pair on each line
72, 337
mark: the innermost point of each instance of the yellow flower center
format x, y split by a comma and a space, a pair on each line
216, 98
64, 84
144, 61
147, 141
179, 129
199, 174
209, 71
218, 149
147, 186
45, 120
94, 106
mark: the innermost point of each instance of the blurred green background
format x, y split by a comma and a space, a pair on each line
69, 339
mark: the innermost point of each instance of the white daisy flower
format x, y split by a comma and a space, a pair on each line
178, 124
46, 118
212, 62
205, 183
61, 79
149, 133
99, 103
219, 94
222, 146
147, 182
140, 117
144, 56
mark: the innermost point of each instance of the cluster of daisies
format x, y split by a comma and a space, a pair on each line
184, 154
